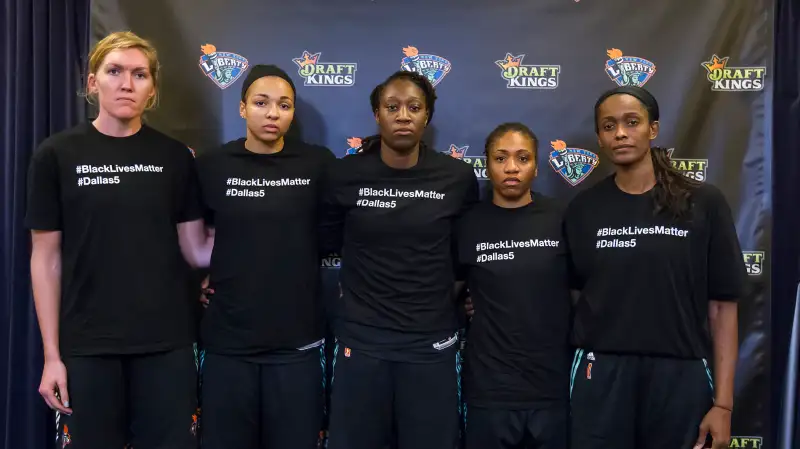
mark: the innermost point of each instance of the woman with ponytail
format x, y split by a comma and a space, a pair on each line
397, 353
657, 262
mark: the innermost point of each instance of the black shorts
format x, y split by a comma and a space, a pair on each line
377, 404
630, 402
149, 401
274, 401
540, 427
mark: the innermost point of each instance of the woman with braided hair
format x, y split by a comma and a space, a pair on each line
659, 268
391, 213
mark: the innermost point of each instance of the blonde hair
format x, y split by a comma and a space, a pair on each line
123, 40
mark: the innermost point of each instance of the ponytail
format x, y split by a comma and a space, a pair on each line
673, 189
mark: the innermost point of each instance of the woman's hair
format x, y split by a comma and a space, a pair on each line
123, 40
373, 142
673, 190
516, 127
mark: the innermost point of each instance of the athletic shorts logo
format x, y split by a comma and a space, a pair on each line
691, 168
478, 163
519, 76
746, 442
754, 262
733, 79
333, 262
222, 67
354, 145
628, 70
325, 74
573, 164
433, 67
589, 371
193, 428
347, 352
66, 439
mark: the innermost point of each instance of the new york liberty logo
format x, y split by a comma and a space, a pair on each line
433, 67
628, 70
573, 164
354, 146
222, 67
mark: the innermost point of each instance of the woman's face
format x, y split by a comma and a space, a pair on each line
624, 129
512, 165
268, 108
402, 115
123, 84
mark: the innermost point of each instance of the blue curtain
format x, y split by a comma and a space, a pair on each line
786, 194
43, 48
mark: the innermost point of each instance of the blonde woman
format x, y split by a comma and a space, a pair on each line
110, 205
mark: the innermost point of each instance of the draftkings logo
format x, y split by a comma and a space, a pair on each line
325, 74
733, 79
478, 163
519, 76
746, 442
354, 145
754, 262
691, 168
433, 67
573, 164
628, 70
222, 67
333, 261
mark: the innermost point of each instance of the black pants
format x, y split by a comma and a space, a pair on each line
374, 400
631, 402
274, 403
149, 401
541, 427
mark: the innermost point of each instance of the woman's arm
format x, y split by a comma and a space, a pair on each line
197, 243
46, 281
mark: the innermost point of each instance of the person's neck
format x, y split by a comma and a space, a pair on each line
511, 203
115, 127
398, 159
637, 178
261, 147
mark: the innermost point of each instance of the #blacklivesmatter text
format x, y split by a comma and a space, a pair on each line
392, 193
625, 233
249, 192
110, 169
494, 255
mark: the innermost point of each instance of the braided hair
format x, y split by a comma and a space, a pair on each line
373, 142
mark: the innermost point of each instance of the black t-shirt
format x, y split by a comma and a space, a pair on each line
117, 202
646, 279
398, 261
515, 262
265, 264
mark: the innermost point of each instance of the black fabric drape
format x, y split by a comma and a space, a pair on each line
786, 193
43, 48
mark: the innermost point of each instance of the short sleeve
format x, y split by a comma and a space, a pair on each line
331, 213
189, 204
43, 210
569, 234
726, 269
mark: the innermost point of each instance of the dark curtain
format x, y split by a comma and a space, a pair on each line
786, 193
43, 48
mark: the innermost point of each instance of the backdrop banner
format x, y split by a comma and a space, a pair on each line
543, 63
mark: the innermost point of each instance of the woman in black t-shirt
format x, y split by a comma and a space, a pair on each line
517, 358
392, 208
111, 203
658, 265
262, 374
